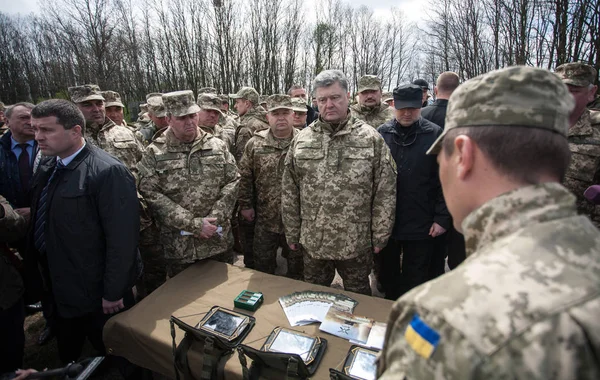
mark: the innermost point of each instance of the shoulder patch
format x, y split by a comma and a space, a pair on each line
421, 338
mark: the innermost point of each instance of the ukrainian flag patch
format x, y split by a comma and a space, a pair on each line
422, 338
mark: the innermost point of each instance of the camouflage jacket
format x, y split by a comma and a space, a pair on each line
145, 132
253, 121
185, 182
261, 169
228, 122
338, 190
524, 304
117, 141
226, 135
584, 168
374, 116
595, 104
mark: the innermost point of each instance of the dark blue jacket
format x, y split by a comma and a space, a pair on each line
10, 181
419, 198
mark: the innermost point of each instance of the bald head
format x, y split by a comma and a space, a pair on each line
446, 83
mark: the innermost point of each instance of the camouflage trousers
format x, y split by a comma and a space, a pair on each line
266, 244
354, 272
246, 229
155, 272
174, 267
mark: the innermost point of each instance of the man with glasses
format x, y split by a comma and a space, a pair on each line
421, 212
338, 190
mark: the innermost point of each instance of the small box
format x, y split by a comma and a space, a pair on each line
248, 300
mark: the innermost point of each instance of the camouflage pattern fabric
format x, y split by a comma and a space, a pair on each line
118, 141
338, 190
369, 82
354, 272
247, 93
227, 121
226, 135
595, 105
145, 132
584, 168
112, 99
374, 116
180, 103
253, 121
523, 305
576, 74
266, 244
185, 182
79, 94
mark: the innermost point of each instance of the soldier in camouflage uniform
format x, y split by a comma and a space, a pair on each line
114, 108
584, 136
388, 98
369, 107
525, 302
190, 181
102, 132
209, 115
261, 169
300, 113
226, 121
595, 104
338, 191
252, 119
3, 126
158, 119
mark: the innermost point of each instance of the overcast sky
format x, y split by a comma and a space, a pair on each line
412, 8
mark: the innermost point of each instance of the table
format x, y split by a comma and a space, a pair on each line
143, 336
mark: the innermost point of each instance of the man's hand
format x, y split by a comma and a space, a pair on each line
294, 247
248, 214
112, 307
436, 230
208, 228
377, 249
24, 212
23, 373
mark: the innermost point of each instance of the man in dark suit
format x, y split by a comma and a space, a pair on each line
84, 228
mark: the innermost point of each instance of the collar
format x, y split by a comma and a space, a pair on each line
67, 160
441, 102
514, 211
14, 143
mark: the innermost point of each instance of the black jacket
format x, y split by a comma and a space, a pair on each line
436, 113
311, 115
419, 198
92, 231
10, 182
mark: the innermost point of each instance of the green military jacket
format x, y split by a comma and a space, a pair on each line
523, 305
185, 182
117, 141
253, 121
338, 190
374, 116
226, 135
261, 168
584, 168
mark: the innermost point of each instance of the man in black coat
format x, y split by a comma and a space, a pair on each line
421, 212
453, 243
84, 227
299, 92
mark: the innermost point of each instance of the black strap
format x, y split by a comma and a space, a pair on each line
292, 368
174, 349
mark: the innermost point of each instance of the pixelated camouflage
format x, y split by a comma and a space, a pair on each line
387, 96
2, 107
374, 116
174, 176
253, 121
247, 93
228, 122
180, 103
584, 167
518, 96
354, 272
279, 101
369, 82
155, 105
524, 305
210, 101
224, 98
118, 141
595, 104
576, 74
79, 94
299, 105
112, 99
327, 178
207, 90
263, 99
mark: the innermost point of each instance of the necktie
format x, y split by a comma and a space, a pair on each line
24, 167
42, 213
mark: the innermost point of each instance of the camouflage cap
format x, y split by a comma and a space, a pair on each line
576, 74
84, 93
209, 101
279, 101
224, 98
387, 96
112, 98
299, 105
155, 104
247, 93
180, 103
207, 90
515, 96
369, 82
263, 99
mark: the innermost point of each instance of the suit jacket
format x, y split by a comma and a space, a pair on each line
92, 231
10, 182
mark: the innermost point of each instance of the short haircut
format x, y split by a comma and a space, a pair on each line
447, 82
10, 109
328, 77
67, 113
521, 153
294, 87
